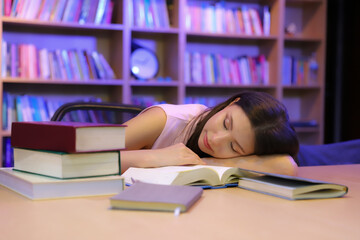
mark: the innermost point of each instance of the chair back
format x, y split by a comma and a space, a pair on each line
98, 112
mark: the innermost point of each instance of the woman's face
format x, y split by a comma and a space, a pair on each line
228, 134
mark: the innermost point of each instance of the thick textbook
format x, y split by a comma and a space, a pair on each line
37, 187
202, 175
292, 188
67, 165
156, 197
68, 137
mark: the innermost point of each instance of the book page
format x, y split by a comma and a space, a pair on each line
165, 175
149, 175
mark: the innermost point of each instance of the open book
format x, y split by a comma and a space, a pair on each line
201, 175
283, 186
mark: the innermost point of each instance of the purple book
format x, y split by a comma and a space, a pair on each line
156, 197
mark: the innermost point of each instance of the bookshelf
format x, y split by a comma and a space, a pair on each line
171, 43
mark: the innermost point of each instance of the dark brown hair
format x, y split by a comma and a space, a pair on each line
268, 118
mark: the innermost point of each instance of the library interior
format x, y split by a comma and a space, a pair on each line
134, 54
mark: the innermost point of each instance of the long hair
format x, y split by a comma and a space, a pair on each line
269, 120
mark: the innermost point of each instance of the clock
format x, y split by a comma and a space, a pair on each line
143, 63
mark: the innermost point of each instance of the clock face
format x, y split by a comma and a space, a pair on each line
144, 64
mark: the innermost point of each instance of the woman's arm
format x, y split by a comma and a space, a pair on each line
141, 133
177, 154
280, 164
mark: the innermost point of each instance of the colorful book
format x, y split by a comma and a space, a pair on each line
68, 137
108, 70
67, 165
37, 187
85, 11
69, 10
255, 21
98, 65
266, 20
100, 11
156, 197
83, 64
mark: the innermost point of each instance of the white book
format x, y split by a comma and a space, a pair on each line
247, 21
244, 71
37, 187
266, 20
188, 17
255, 21
100, 11
44, 63
196, 68
3, 57
220, 17
24, 9
187, 67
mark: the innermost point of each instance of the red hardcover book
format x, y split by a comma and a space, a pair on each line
70, 137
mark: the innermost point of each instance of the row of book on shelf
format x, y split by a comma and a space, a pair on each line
55, 153
18, 108
85, 11
202, 68
28, 61
149, 13
218, 18
299, 70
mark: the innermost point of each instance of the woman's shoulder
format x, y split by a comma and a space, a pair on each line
182, 110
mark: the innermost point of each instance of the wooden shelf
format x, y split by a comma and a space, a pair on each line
154, 83
170, 45
229, 35
301, 87
155, 30
196, 85
24, 22
63, 82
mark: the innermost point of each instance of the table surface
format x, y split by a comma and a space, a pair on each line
220, 214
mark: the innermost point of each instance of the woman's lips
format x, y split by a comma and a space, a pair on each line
206, 143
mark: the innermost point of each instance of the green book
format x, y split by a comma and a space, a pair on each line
67, 165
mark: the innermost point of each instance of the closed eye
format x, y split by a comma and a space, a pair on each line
232, 147
225, 124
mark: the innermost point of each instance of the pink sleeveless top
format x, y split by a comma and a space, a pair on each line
177, 118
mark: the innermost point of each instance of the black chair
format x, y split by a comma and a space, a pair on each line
101, 112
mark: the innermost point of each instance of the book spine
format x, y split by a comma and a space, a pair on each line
100, 11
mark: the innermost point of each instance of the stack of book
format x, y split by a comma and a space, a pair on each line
65, 159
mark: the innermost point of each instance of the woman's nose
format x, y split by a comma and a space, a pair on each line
220, 137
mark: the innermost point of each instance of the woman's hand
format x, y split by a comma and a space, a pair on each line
177, 154
173, 155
